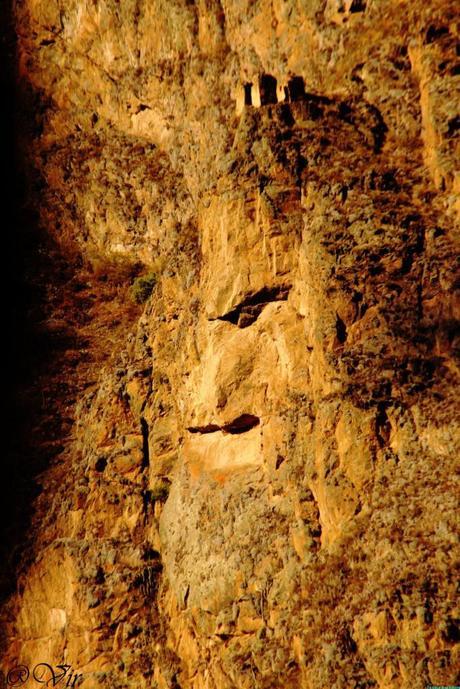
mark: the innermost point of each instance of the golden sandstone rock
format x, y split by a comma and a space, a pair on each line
258, 489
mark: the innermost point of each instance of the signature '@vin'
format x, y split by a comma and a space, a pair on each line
62, 676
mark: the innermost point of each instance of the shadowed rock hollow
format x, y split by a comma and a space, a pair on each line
251, 478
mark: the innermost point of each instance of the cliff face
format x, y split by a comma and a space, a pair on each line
255, 485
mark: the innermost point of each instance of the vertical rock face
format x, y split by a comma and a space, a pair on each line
258, 488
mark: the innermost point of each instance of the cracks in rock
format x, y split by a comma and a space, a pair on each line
453, 126
279, 461
379, 129
248, 310
341, 330
145, 444
382, 426
186, 596
434, 33
141, 108
209, 428
242, 424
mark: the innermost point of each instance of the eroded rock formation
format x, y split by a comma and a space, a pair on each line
256, 484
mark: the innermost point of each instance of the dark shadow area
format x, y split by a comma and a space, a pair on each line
267, 85
30, 263
248, 310
242, 424
61, 318
18, 490
357, 6
248, 94
296, 89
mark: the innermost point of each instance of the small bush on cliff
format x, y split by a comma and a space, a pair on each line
142, 287
160, 492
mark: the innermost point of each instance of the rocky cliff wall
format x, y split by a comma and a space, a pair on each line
256, 483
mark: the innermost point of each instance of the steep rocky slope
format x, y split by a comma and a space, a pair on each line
254, 482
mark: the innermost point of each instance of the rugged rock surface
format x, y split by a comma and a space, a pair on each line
258, 488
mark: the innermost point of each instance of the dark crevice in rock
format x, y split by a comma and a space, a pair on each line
451, 632
379, 129
357, 6
151, 554
209, 428
382, 426
242, 423
346, 643
434, 33
101, 464
453, 126
247, 311
341, 330
145, 444
279, 460
186, 596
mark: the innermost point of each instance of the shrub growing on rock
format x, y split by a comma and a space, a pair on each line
142, 287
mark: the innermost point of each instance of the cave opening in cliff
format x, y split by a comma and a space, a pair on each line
296, 88
357, 6
248, 94
267, 84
